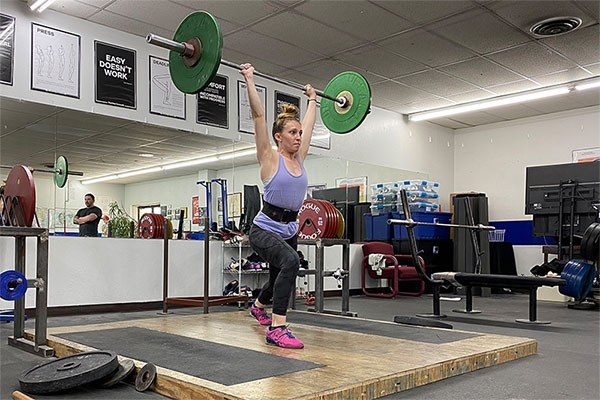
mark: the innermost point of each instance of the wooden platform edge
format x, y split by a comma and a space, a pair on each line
175, 388
376, 388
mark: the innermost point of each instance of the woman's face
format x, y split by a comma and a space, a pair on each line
290, 138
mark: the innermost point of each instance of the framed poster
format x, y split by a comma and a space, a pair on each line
586, 155
7, 45
361, 182
195, 210
165, 98
281, 98
321, 136
245, 121
115, 75
213, 105
55, 61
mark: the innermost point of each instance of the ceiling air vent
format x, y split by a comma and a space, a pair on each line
555, 26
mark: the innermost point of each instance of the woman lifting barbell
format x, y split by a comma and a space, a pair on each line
273, 235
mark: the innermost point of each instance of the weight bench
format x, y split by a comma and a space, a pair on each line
468, 280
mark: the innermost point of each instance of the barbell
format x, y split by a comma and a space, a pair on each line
60, 171
412, 223
195, 56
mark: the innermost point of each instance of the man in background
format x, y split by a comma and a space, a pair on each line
88, 218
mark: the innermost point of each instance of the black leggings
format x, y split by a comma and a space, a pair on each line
284, 264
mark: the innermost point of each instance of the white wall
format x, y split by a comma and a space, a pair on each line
492, 159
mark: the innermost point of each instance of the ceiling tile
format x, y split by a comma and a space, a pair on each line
515, 111
466, 29
241, 12
470, 96
481, 72
477, 118
449, 123
303, 78
581, 46
377, 60
513, 87
425, 105
6, 103
424, 11
327, 69
259, 64
161, 13
397, 93
569, 75
73, 8
591, 7
269, 49
531, 59
593, 68
358, 18
555, 104
437, 83
125, 24
426, 48
306, 33
95, 3
524, 13
13, 120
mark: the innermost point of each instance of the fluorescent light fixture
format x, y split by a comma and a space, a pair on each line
590, 85
139, 172
40, 5
146, 155
485, 104
98, 180
237, 154
190, 163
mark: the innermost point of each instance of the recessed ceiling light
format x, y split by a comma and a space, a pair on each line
555, 26
146, 155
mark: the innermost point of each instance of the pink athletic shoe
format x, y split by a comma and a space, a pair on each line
282, 336
261, 315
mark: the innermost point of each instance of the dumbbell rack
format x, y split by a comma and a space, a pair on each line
39, 344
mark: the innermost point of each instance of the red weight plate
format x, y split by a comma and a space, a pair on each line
332, 219
161, 226
19, 184
336, 218
327, 219
315, 211
342, 228
146, 226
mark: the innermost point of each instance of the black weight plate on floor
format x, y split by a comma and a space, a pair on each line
125, 368
69, 372
145, 377
399, 319
585, 239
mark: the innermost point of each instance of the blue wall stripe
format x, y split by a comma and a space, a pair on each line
520, 233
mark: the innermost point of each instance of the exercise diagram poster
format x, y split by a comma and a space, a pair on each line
115, 75
165, 98
55, 57
245, 120
7, 44
213, 104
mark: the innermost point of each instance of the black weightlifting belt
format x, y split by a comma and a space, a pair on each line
279, 214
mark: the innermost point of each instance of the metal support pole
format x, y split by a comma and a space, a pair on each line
469, 300
19, 321
533, 304
165, 309
319, 292
184, 50
41, 292
206, 263
346, 280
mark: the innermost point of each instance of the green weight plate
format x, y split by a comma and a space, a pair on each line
205, 27
353, 86
62, 166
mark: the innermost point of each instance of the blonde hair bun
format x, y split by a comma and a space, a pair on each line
289, 111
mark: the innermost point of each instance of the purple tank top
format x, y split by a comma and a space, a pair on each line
287, 191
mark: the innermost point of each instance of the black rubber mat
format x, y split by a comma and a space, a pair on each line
212, 361
396, 331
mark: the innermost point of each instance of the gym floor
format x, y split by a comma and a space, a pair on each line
566, 366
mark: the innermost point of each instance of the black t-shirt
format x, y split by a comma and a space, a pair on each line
89, 228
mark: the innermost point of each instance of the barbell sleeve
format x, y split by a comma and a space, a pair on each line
187, 50
412, 223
